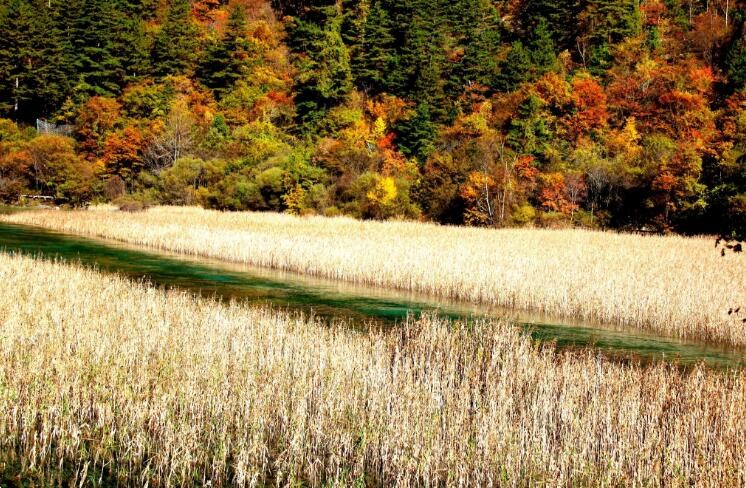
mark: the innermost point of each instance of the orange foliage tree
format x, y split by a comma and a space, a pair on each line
554, 195
14, 167
123, 154
96, 118
589, 102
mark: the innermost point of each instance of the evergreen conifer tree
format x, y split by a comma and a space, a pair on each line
421, 63
52, 69
16, 57
324, 77
542, 49
226, 59
97, 56
415, 136
482, 45
613, 20
373, 62
515, 69
735, 60
175, 46
560, 18
529, 132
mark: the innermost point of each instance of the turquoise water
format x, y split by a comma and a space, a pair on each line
357, 305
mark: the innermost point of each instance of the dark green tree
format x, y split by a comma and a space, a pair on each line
421, 59
98, 48
140, 9
654, 39
104, 46
604, 23
53, 70
600, 58
482, 46
175, 46
226, 59
561, 18
324, 77
136, 45
541, 50
35, 70
416, 136
612, 21
17, 55
375, 50
677, 12
735, 61
516, 68
529, 132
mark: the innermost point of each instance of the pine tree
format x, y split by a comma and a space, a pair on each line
600, 58
541, 49
421, 59
136, 46
16, 57
324, 77
374, 58
97, 50
175, 47
677, 12
654, 38
560, 18
614, 20
354, 17
528, 63
427, 85
604, 23
226, 59
529, 132
53, 70
483, 42
516, 68
33, 68
415, 136
140, 9
463, 16
735, 61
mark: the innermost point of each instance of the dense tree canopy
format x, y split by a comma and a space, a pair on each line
601, 113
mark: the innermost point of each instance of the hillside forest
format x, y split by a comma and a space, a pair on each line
626, 114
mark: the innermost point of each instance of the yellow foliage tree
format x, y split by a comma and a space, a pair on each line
295, 200
384, 193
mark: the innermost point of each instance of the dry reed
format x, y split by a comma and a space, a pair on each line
107, 382
673, 285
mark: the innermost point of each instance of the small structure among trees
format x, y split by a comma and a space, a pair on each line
44, 127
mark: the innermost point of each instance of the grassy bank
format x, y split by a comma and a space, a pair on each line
102, 380
673, 285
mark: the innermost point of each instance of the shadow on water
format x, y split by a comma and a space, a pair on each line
356, 304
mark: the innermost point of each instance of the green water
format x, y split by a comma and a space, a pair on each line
358, 305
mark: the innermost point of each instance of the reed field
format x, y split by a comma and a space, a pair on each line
104, 381
673, 285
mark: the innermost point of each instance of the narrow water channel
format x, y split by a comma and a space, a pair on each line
358, 305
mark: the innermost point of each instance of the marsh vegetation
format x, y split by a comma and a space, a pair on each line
673, 285
103, 380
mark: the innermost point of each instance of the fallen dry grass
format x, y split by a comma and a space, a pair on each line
107, 382
673, 285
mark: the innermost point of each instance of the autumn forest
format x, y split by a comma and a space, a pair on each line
622, 114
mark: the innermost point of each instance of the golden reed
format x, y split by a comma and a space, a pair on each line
673, 285
105, 382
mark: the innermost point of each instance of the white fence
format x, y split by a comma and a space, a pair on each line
44, 127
